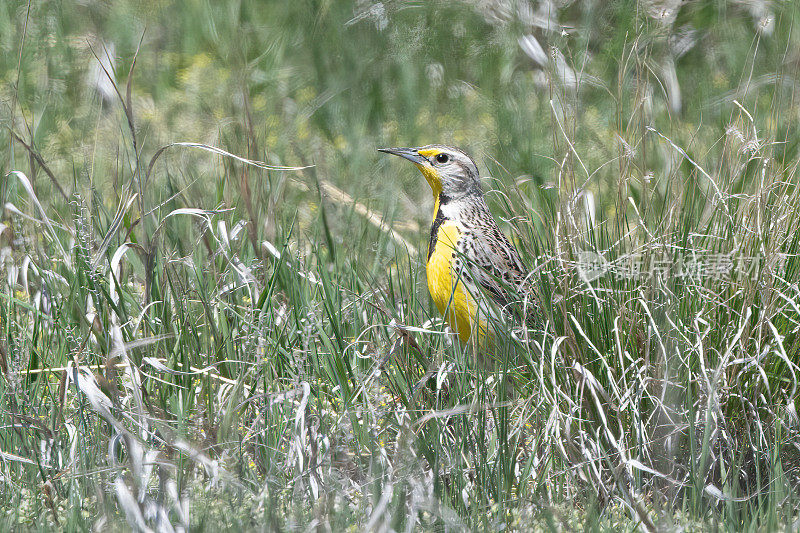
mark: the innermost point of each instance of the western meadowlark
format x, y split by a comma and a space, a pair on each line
468, 255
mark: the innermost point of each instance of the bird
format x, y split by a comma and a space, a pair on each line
469, 257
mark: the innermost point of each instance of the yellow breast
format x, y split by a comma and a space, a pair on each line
448, 292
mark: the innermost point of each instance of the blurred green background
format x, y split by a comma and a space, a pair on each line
325, 83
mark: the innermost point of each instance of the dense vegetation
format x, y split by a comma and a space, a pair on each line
213, 305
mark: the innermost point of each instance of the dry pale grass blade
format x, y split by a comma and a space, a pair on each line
732, 345
220, 236
379, 510
243, 272
139, 343
204, 214
41, 162
211, 466
274, 252
792, 366
298, 447
717, 494
721, 197
638, 465
458, 410
86, 383
572, 149
158, 364
113, 274
26, 184
5, 456
339, 196
132, 378
119, 216
130, 506
218, 151
11, 208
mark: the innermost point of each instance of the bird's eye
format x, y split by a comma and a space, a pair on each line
442, 158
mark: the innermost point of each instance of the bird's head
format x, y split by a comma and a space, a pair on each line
449, 171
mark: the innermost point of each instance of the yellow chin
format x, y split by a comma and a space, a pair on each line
432, 178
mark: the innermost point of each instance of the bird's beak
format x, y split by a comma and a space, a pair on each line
423, 164
412, 154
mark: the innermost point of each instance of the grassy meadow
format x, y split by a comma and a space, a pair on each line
213, 304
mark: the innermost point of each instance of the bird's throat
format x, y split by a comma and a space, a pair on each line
432, 178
